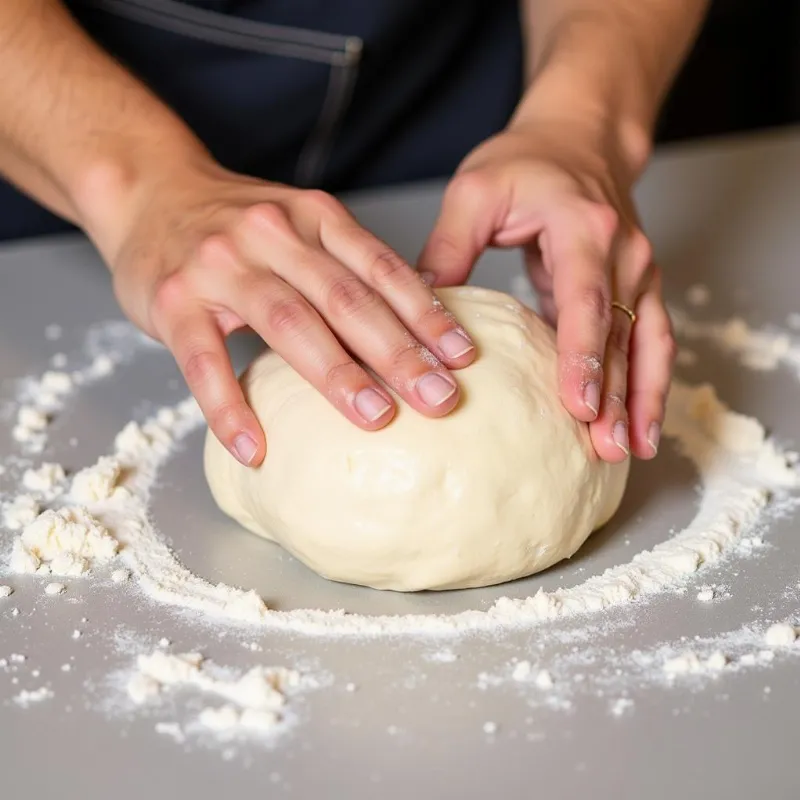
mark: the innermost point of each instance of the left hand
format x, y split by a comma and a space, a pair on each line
562, 194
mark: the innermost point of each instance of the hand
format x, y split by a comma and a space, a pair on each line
557, 192
204, 252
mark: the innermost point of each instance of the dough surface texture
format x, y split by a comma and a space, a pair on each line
504, 486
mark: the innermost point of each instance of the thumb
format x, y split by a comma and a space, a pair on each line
465, 227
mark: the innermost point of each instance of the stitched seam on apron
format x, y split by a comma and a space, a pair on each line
314, 156
238, 33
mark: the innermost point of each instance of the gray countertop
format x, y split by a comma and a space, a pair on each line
726, 214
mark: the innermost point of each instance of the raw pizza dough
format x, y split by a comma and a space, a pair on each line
503, 487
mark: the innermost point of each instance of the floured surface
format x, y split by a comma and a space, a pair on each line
565, 702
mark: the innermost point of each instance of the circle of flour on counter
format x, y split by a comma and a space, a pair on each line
504, 486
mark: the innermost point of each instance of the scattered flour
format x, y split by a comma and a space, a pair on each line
68, 541
26, 698
20, 512
255, 700
45, 479
780, 635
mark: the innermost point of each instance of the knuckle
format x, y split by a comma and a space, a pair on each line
641, 250
348, 296
468, 186
323, 202
595, 302
170, 294
603, 220
340, 376
216, 249
389, 269
286, 316
225, 416
267, 218
199, 367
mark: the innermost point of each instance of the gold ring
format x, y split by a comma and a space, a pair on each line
622, 307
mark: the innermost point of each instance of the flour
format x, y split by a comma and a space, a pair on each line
95, 483
20, 512
26, 698
780, 635
46, 479
106, 345
758, 349
255, 700
6, 591
69, 541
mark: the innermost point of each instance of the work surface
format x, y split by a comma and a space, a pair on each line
415, 716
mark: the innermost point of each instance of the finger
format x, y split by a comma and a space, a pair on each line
652, 357
199, 348
609, 432
576, 249
466, 224
409, 298
286, 321
358, 315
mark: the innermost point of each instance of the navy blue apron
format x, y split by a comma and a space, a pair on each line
337, 94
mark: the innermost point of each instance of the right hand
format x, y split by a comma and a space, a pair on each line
200, 252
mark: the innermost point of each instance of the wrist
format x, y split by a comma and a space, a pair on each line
110, 188
590, 80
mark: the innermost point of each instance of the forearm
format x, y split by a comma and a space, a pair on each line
75, 127
608, 63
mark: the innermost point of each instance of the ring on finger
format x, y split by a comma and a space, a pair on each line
625, 310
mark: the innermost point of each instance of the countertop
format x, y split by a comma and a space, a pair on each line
420, 716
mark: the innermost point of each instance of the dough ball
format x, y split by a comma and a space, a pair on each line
504, 486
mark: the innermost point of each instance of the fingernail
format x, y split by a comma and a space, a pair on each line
434, 389
245, 448
428, 278
620, 436
454, 344
591, 397
371, 405
654, 436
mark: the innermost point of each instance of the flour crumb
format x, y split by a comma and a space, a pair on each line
706, 595
522, 671
76, 634
172, 730
18, 658
683, 664
716, 661
55, 588
20, 511
164, 642
66, 667
96, 483
350, 687
254, 700
6, 591
544, 680
26, 698
69, 541
56, 382
780, 635
45, 478
490, 728
120, 575
621, 706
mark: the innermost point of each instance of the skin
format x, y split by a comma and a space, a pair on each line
197, 251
